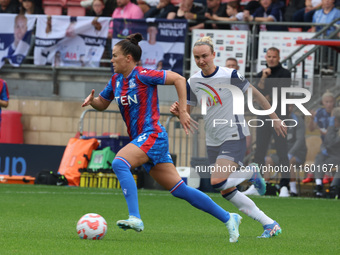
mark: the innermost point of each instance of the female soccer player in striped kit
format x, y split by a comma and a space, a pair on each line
134, 89
226, 144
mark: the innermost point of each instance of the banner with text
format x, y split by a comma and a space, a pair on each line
286, 43
70, 41
15, 37
163, 41
228, 44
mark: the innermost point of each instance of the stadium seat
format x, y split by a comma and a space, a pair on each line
54, 7
294, 29
175, 2
74, 8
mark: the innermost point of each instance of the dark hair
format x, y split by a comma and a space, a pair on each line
232, 59
129, 45
234, 4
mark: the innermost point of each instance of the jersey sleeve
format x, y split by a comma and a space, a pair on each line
317, 115
152, 77
4, 95
191, 97
239, 81
108, 92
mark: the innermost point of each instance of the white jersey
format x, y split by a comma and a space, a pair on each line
152, 54
219, 101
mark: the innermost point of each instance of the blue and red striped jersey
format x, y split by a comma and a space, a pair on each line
137, 99
4, 95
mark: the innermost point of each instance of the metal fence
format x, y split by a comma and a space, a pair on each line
251, 60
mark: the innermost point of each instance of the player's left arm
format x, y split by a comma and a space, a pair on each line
4, 97
263, 102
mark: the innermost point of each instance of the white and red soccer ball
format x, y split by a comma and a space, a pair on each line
91, 226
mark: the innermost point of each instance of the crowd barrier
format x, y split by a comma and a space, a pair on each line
45, 42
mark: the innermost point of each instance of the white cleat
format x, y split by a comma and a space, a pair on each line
232, 225
131, 223
284, 192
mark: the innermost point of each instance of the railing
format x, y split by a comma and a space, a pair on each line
251, 55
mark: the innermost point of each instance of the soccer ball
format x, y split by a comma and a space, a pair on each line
91, 226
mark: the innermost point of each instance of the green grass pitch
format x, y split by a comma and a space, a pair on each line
42, 220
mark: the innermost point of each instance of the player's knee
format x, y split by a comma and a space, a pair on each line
218, 184
120, 164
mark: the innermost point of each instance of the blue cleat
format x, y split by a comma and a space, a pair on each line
271, 230
131, 223
232, 225
257, 180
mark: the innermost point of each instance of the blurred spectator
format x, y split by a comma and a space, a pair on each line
160, 11
292, 7
328, 158
274, 76
145, 5
217, 8
234, 15
30, 7
320, 120
251, 7
297, 151
267, 12
326, 14
98, 9
190, 11
214, 7
232, 63
110, 6
321, 117
306, 14
127, 10
4, 97
9, 6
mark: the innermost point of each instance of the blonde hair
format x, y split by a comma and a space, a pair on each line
206, 40
327, 94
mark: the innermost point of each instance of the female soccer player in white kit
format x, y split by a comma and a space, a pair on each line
226, 144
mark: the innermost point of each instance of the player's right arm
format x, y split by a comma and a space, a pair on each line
97, 103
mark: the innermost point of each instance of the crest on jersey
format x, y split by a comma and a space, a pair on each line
209, 93
132, 84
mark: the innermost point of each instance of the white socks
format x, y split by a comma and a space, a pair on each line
292, 186
247, 206
318, 181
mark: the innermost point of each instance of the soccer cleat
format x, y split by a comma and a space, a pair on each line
284, 192
309, 178
327, 179
232, 225
257, 179
131, 223
318, 191
293, 194
271, 230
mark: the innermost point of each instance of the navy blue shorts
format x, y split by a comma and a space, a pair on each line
156, 146
233, 150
